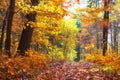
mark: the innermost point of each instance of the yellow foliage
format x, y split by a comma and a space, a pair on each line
111, 60
48, 15
69, 31
90, 47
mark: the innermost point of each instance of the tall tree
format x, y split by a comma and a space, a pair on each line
105, 27
27, 32
9, 26
3, 30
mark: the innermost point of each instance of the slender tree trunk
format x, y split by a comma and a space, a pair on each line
97, 29
3, 30
105, 28
118, 51
111, 34
115, 36
26, 36
65, 49
97, 38
97, 35
9, 27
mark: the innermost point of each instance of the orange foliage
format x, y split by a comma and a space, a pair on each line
19, 66
104, 23
110, 60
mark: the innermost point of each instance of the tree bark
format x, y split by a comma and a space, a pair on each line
9, 27
115, 36
26, 35
105, 28
111, 34
3, 30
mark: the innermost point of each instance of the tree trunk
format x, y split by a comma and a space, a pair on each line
97, 38
97, 35
105, 28
111, 35
115, 36
9, 27
26, 36
3, 30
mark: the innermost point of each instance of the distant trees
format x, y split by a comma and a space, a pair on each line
69, 31
93, 10
42, 31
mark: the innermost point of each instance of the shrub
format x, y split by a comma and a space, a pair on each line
110, 61
22, 66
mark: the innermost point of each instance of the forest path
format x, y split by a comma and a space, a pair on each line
76, 71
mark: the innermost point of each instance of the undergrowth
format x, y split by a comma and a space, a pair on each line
109, 62
22, 66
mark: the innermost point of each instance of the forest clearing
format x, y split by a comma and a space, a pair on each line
59, 39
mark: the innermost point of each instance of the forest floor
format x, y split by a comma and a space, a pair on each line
75, 71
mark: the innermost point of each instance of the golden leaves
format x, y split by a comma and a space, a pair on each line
90, 47
44, 7
110, 61
48, 14
90, 15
